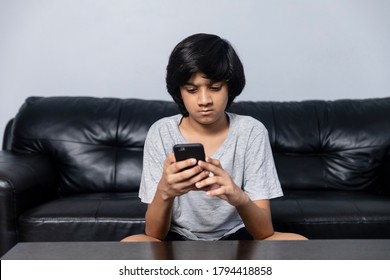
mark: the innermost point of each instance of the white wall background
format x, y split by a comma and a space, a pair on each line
291, 50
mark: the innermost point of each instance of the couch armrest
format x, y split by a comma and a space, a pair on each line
25, 181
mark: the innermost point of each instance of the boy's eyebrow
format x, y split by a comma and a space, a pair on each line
192, 84
189, 84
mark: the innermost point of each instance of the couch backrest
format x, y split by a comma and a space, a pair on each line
338, 144
97, 143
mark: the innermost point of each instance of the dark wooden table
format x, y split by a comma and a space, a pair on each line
202, 250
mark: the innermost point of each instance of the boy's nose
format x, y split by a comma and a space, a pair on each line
204, 97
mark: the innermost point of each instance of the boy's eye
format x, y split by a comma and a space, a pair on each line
215, 88
191, 90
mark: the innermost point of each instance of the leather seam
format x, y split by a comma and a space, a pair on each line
116, 146
82, 220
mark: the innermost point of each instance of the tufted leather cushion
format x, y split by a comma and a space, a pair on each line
92, 216
326, 144
97, 144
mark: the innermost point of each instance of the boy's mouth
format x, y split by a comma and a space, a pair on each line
205, 111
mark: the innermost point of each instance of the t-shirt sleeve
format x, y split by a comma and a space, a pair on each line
153, 161
260, 178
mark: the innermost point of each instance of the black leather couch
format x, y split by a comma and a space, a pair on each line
70, 167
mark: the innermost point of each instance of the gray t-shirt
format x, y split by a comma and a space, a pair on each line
245, 154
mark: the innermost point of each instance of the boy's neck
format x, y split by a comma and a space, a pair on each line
191, 127
211, 136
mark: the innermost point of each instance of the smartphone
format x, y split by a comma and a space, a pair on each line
186, 151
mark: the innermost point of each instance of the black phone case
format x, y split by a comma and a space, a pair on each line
185, 151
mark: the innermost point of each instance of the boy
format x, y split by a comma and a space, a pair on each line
226, 196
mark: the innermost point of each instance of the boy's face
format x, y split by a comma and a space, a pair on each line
205, 100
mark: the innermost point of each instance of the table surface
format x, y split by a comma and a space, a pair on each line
201, 250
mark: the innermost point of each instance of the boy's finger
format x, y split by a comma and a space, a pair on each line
180, 165
210, 167
213, 161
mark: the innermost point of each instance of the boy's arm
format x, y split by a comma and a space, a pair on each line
256, 216
158, 216
173, 183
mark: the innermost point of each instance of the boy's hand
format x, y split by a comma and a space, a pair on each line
175, 181
221, 184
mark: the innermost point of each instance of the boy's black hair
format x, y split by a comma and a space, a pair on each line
208, 54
